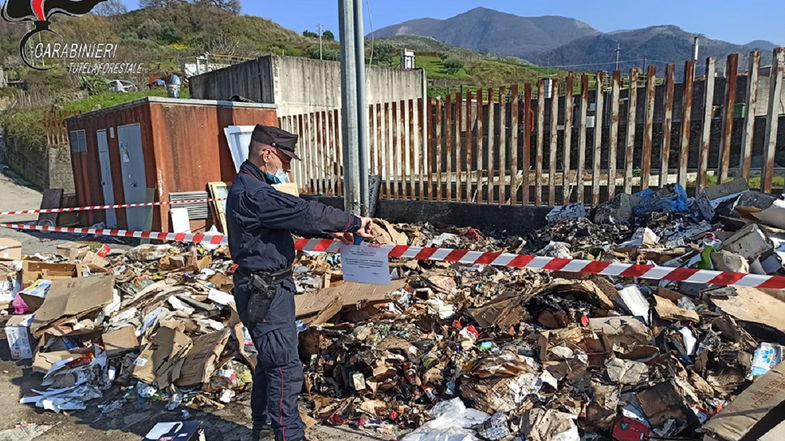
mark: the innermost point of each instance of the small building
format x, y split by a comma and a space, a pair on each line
150, 149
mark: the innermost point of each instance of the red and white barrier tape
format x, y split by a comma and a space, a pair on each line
651, 272
214, 239
106, 207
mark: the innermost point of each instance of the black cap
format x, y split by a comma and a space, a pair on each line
278, 138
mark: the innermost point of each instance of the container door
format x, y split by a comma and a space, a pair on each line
129, 138
106, 177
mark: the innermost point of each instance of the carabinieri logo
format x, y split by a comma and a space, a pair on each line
39, 12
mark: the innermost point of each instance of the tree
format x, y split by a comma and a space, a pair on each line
109, 8
232, 6
452, 64
145, 4
309, 34
328, 35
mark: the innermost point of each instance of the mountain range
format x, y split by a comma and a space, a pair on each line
567, 42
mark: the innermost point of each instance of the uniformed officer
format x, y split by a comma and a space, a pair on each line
260, 220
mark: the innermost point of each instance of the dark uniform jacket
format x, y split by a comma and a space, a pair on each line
261, 220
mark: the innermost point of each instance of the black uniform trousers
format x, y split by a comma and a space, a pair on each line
278, 378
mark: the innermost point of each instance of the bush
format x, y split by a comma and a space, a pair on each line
452, 64
328, 53
149, 29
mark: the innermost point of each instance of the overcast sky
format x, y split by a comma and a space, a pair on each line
730, 20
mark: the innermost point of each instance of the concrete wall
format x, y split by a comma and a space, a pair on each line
301, 85
45, 167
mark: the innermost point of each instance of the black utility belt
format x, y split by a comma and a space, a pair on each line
270, 276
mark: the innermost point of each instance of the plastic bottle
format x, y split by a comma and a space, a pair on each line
710, 244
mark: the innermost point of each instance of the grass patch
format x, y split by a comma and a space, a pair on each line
435, 69
752, 182
108, 99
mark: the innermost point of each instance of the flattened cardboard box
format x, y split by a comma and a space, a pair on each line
753, 412
17, 332
120, 340
33, 270
350, 294
72, 250
10, 249
162, 359
200, 363
72, 298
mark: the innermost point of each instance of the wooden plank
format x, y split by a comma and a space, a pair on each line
469, 145
708, 107
421, 143
403, 142
539, 141
527, 140
554, 142
432, 108
502, 146
597, 156
379, 142
396, 149
480, 151
339, 144
747, 134
458, 146
728, 107
374, 143
568, 104
629, 142
613, 137
686, 123
772, 116
449, 133
439, 110
412, 148
667, 123
514, 112
320, 156
491, 145
388, 148
648, 126
582, 136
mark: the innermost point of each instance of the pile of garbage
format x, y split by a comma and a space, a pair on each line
447, 351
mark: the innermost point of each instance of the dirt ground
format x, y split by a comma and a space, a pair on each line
135, 417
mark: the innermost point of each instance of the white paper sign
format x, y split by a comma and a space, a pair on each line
365, 264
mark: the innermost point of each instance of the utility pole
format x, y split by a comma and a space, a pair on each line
695, 48
354, 122
319, 27
618, 51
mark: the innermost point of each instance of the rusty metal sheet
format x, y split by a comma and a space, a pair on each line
648, 126
613, 136
747, 134
527, 140
582, 136
514, 113
597, 145
772, 117
568, 103
686, 123
708, 107
502, 145
667, 123
728, 107
629, 141
539, 155
491, 145
554, 142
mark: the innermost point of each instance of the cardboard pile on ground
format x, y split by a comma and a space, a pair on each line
508, 352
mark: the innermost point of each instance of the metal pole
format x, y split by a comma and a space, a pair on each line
351, 178
320, 41
695, 46
362, 107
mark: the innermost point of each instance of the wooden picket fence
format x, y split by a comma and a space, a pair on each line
545, 144
55, 129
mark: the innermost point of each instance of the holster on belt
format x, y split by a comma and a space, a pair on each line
263, 292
